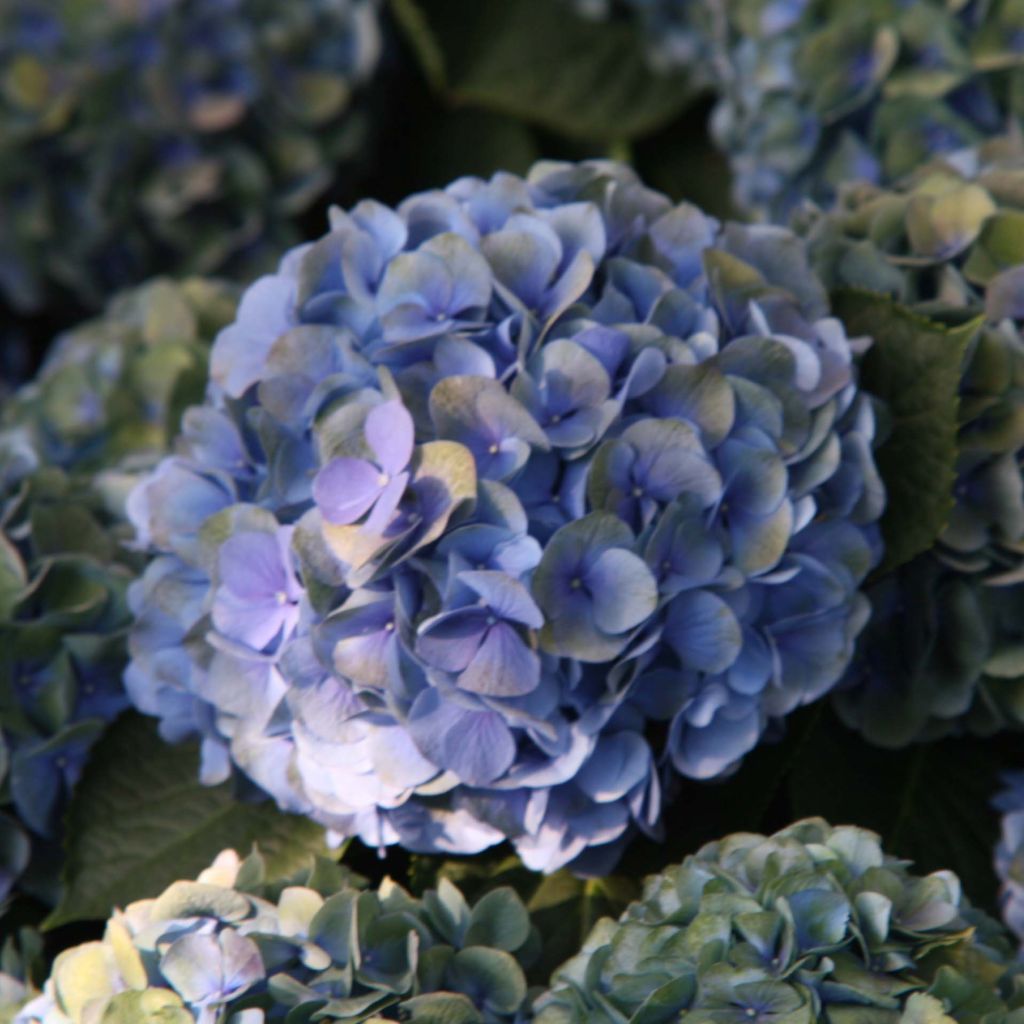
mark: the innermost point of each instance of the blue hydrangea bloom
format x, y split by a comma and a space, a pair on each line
227, 117
487, 484
813, 93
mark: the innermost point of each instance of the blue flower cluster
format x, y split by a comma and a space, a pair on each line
227, 118
487, 484
813, 93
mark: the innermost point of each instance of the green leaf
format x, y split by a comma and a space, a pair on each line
416, 27
914, 366
929, 802
12, 577
488, 974
140, 820
441, 1008
563, 908
69, 529
499, 920
538, 61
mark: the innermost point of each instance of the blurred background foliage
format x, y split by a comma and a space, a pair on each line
460, 88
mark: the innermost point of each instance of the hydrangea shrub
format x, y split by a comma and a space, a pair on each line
949, 242
488, 486
817, 92
811, 924
227, 117
71, 443
231, 947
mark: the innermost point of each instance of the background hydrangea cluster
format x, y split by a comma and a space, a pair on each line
229, 946
488, 483
948, 243
138, 137
813, 93
813, 923
97, 416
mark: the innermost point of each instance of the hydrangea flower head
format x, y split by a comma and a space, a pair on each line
228, 118
487, 484
949, 242
817, 92
71, 444
229, 947
813, 923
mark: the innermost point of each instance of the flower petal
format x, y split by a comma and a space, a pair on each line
503, 666
389, 432
623, 590
345, 489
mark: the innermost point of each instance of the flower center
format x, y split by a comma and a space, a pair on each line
576, 583
383, 480
389, 627
638, 492
281, 597
493, 450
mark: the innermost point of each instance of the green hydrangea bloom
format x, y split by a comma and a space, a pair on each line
949, 242
814, 923
231, 948
71, 445
817, 92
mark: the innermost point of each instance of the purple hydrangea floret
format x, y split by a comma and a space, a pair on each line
492, 489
